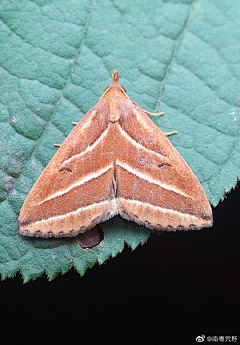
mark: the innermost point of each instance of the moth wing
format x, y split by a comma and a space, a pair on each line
155, 185
75, 190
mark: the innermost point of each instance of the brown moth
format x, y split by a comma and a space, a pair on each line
115, 161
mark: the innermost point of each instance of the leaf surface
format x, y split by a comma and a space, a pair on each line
56, 59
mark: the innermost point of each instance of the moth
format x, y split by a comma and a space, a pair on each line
116, 161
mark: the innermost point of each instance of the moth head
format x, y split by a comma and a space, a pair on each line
115, 83
121, 87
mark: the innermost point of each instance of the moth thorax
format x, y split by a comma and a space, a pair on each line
114, 113
114, 116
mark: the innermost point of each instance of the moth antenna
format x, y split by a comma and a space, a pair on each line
153, 114
170, 133
58, 145
74, 123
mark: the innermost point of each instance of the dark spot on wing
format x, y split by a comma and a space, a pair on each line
66, 169
162, 164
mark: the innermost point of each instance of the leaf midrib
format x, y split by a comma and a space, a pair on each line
62, 92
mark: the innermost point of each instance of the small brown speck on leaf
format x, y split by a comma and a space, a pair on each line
91, 238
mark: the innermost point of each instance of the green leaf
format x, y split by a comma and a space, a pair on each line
56, 59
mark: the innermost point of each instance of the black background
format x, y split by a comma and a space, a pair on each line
175, 287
